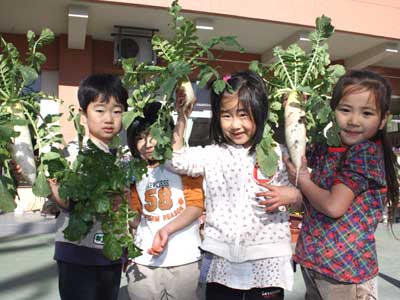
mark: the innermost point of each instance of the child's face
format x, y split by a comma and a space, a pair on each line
236, 123
145, 144
103, 119
358, 117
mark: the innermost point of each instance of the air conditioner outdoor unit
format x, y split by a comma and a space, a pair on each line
136, 47
131, 42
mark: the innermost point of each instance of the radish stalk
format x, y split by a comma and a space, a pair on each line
297, 74
295, 129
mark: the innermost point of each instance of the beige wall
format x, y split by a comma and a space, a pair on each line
370, 17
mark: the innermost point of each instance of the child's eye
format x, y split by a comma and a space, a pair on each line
369, 113
243, 114
343, 109
225, 116
117, 111
99, 110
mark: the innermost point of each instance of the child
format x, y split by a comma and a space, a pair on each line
169, 206
83, 271
246, 235
346, 192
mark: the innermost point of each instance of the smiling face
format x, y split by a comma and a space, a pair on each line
358, 116
236, 122
103, 119
145, 145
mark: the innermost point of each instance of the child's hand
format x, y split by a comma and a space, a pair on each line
118, 200
278, 196
304, 174
55, 196
16, 170
159, 242
116, 203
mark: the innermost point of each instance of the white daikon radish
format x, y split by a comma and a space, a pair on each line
187, 106
22, 149
295, 130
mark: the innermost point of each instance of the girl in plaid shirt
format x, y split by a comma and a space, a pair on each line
346, 191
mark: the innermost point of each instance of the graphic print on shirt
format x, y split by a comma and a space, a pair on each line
158, 196
98, 239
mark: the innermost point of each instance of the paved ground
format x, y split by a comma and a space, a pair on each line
29, 272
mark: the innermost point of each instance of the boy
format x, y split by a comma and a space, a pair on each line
83, 271
168, 227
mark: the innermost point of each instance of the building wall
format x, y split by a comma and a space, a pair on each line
97, 57
369, 17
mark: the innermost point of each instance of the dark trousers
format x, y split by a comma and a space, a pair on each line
78, 282
215, 291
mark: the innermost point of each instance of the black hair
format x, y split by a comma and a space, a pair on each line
142, 125
250, 90
356, 80
103, 86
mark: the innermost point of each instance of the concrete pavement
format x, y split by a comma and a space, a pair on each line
29, 272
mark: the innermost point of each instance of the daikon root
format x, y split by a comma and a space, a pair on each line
190, 95
188, 103
22, 149
295, 130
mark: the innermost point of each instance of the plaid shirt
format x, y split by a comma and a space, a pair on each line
344, 248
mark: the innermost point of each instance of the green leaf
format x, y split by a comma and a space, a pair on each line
51, 155
41, 187
332, 135
6, 198
29, 75
46, 36
40, 58
128, 117
324, 113
205, 79
76, 228
134, 251
51, 118
255, 66
276, 105
219, 86
30, 35
112, 249
324, 26
267, 159
102, 204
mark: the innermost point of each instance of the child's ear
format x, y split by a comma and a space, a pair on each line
384, 120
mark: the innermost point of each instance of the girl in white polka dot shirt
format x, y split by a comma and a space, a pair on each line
246, 235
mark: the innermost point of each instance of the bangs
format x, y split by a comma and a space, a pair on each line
371, 87
243, 98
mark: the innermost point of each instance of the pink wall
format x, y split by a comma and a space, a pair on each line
370, 17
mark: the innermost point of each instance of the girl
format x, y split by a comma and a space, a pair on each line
346, 191
246, 236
